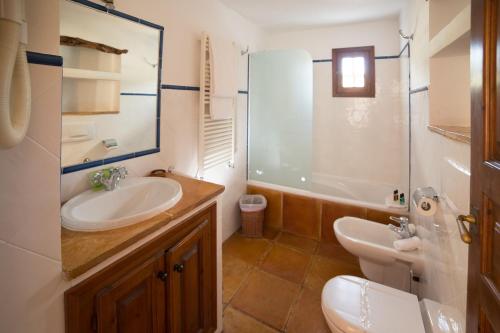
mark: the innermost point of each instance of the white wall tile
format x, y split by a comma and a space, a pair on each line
31, 292
180, 130
43, 25
443, 164
45, 122
358, 130
29, 200
356, 139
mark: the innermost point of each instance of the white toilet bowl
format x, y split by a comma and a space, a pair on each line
352, 304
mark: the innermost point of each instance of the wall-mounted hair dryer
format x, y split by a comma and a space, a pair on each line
15, 87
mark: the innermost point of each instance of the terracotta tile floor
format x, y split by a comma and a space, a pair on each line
274, 284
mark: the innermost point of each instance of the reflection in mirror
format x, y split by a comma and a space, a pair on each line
111, 71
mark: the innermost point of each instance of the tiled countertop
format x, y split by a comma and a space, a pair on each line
83, 250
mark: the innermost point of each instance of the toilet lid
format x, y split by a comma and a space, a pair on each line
354, 305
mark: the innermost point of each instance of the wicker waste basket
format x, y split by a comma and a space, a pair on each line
252, 208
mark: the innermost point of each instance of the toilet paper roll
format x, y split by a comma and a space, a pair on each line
425, 200
425, 206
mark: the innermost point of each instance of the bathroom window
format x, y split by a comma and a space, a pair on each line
353, 72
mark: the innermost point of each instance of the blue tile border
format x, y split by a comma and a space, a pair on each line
82, 166
147, 152
179, 87
44, 59
118, 13
417, 90
376, 58
191, 88
114, 159
91, 4
158, 86
387, 57
137, 94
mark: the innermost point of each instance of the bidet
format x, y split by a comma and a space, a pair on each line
405, 229
372, 243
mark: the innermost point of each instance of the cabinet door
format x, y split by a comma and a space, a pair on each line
190, 287
136, 302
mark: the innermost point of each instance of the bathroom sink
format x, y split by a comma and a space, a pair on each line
133, 201
372, 242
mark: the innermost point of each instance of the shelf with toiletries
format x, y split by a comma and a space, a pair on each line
449, 48
396, 201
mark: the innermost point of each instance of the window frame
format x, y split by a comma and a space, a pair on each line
368, 54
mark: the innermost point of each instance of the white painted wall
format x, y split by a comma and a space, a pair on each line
356, 138
30, 259
443, 164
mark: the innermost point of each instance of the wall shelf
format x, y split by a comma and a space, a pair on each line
449, 73
457, 133
87, 74
454, 37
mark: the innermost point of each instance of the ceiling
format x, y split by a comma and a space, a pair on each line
296, 14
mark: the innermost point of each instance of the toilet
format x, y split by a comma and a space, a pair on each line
351, 304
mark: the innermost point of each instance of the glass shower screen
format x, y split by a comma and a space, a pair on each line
280, 118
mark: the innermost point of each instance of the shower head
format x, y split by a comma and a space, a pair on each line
405, 36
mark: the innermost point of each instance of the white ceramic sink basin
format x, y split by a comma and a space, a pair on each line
133, 201
372, 242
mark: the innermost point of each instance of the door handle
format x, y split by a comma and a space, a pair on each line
464, 232
178, 268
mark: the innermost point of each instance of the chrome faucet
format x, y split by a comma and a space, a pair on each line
109, 178
404, 230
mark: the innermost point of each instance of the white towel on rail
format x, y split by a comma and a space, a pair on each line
224, 79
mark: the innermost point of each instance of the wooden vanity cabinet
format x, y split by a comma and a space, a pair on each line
134, 303
166, 285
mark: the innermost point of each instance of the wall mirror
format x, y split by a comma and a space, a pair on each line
111, 85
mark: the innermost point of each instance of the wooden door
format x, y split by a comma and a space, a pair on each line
136, 302
483, 302
190, 284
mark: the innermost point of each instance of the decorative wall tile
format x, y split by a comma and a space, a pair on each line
333, 211
301, 215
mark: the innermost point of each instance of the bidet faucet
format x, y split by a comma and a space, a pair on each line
110, 178
404, 230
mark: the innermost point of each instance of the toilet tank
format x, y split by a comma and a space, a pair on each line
440, 318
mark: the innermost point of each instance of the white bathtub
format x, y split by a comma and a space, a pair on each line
343, 190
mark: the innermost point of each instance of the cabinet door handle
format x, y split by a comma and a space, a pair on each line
178, 268
162, 276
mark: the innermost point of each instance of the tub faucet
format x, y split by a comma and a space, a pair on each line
110, 178
404, 230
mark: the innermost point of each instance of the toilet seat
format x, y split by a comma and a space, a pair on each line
352, 304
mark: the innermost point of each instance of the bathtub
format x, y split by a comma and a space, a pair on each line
348, 191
